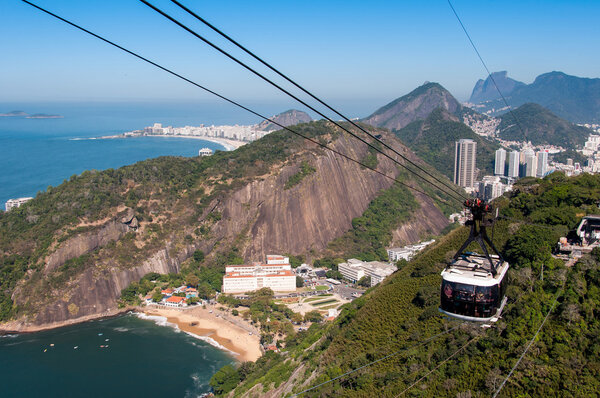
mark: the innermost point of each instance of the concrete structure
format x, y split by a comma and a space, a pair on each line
542, 164
530, 164
354, 270
464, 163
500, 162
513, 164
406, 252
205, 152
245, 278
13, 203
490, 188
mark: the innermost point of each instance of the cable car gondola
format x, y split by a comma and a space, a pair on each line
474, 285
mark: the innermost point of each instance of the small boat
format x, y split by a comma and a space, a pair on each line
76, 347
99, 334
52, 345
193, 323
106, 339
45, 349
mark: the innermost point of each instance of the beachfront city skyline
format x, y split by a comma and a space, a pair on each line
364, 51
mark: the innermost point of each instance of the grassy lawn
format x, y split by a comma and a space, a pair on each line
324, 302
329, 307
326, 295
321, 287
308, 300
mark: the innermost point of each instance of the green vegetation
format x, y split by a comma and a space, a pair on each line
403, 311
305, 170
372, 232
319, 303
168, 196
433, 140
541, 127
562, 157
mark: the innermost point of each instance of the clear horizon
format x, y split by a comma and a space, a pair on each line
345, 52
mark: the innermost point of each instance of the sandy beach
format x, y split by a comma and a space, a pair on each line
201, 322
229, 145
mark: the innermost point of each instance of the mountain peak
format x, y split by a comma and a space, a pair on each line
416, 105
485, 90
290, 117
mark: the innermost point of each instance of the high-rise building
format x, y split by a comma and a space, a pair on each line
464, 163
500, 162
513, 164
530, 164
542, 164
490, 188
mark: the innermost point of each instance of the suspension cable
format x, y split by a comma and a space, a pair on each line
488, 71
379, 360
232, 101
452, 193
438, 366
528, 345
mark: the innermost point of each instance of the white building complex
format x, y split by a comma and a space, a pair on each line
407, 252
513, 164
12, 203
276, 274
354, 270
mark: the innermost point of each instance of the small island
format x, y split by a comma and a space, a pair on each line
43, 116
28, 116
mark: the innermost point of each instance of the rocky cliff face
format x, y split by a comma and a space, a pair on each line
261, 216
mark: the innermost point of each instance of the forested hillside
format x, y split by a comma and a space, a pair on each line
400, 316
434, 138
74, 250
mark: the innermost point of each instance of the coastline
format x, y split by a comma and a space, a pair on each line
201, 323
230, 145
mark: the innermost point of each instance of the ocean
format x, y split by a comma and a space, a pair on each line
140, 358
36, 153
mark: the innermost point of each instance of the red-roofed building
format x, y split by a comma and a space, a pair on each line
167, 292
175, 301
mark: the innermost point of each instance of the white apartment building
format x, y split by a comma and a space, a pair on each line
245, 278
500, 162
354, 270
13, 203
513, 164
491, 188
530, 164
464, 163
542, 164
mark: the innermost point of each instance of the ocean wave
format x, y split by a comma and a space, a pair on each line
212, 342
121, 329
9, 336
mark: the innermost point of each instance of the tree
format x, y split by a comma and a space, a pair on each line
365, 281
198, 256
334, 274
313, 316
296, 317
299, 281
225, 380
192, 280
156, 297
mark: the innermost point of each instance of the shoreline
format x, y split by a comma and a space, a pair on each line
229, 145
203, 324
198, 322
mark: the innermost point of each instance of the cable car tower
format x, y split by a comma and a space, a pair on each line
474, 285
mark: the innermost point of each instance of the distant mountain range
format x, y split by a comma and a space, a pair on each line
541, 127
485, 90
573, 98
288, 118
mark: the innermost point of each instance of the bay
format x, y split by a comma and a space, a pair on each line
36, 153
140, 359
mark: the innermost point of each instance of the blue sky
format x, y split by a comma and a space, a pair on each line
344, 51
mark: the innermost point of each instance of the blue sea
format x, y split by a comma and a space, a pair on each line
116, 357
36, 153
143, 359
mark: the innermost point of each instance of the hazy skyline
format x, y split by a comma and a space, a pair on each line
342, 51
